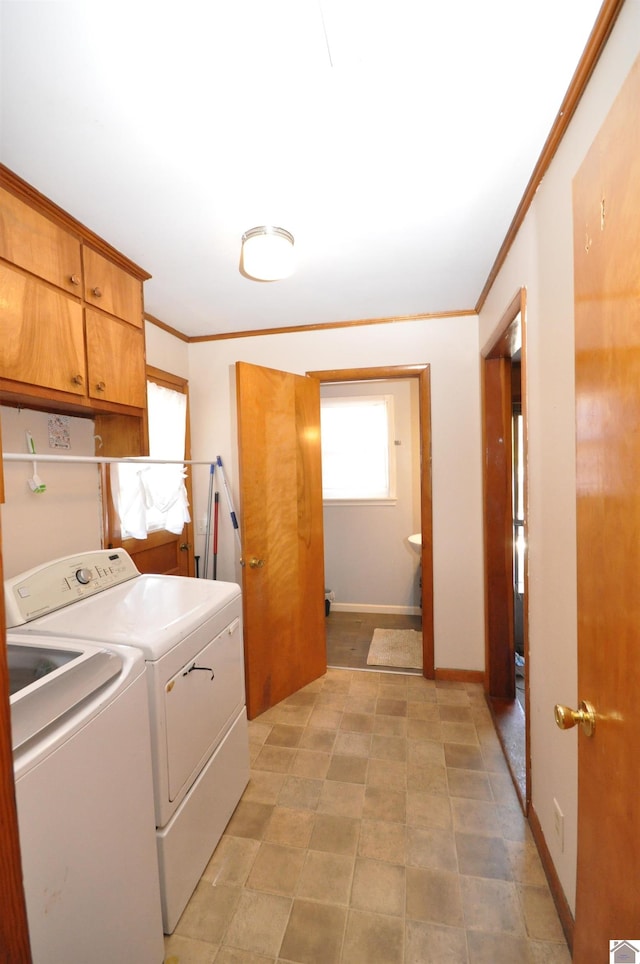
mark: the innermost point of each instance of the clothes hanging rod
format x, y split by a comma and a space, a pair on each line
101, 460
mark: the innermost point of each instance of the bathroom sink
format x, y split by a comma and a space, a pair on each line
415, 541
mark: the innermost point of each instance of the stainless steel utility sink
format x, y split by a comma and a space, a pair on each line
48, 678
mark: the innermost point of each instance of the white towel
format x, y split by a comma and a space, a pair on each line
129, 499
165, 491
149, 496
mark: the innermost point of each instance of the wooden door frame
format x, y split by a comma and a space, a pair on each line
499, 681
423, 374
14, 930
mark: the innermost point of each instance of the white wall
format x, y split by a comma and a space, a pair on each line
450, 346
66, 518
368, 562
165, 351
542, 260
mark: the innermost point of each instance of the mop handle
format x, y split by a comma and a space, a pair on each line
215, 523
234, 519
215, 534
207, 538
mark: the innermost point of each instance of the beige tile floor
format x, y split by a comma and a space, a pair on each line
380, 825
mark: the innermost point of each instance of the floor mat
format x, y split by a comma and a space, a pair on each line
396, 647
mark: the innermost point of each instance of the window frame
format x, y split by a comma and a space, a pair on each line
112, 536
390, 499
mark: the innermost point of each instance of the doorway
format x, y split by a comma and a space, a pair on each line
371, 507
359, 628
505, 524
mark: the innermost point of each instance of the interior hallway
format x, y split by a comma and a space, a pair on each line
380, 825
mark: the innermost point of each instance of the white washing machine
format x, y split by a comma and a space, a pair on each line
84, 792
190, 632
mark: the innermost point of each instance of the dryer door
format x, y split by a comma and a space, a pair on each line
201, 701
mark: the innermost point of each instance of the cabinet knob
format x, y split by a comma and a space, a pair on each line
74, 279
100, 387
96, 292
78, 380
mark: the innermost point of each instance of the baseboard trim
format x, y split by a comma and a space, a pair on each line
369, 608
390, 670
460, 675
559, 899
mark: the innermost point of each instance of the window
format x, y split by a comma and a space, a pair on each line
358, 463
149, 498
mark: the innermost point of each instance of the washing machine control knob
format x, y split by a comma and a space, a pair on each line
83, 576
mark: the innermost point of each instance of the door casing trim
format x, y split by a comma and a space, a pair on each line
496, 354
423, 374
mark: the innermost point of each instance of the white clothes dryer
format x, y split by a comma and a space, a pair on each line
190, 632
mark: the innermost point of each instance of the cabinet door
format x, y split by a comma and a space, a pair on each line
35, 243
115, 360
40, 333
108, 287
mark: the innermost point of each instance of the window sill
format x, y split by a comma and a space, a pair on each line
360, 502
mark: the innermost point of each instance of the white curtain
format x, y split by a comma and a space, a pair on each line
152, 497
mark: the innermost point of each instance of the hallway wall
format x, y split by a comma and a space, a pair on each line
541, 259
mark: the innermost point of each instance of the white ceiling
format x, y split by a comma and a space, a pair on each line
393, 139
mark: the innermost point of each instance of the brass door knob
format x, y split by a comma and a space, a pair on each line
585, 716
256, 563
185, 546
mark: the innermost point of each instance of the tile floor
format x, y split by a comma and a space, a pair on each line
380, 826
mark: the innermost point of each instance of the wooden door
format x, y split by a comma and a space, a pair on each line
498, 522
14, 935
606, 206
282, 536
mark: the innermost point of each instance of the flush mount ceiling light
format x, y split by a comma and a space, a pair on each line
267, 253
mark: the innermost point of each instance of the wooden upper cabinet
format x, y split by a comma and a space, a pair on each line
115, 361
41, 334
108, 287
33, 242
71, 324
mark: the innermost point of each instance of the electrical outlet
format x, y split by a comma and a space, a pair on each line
559, 824
202, 527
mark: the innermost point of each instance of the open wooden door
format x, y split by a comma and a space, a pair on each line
606, 208
498, 522
14, 933
282, 538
